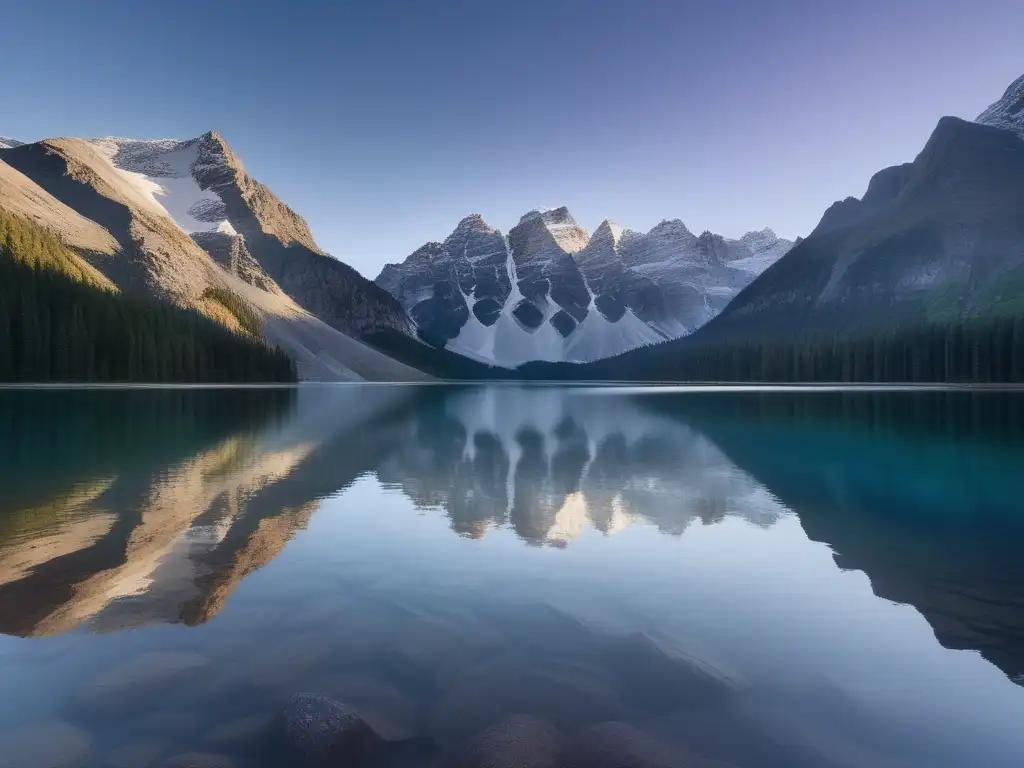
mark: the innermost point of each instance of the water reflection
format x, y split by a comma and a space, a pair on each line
920, 491
551, 463
146, 509
128, 508
172, 505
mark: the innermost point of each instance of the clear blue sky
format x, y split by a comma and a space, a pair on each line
384, 122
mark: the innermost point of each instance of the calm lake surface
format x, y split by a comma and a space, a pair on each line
758, 579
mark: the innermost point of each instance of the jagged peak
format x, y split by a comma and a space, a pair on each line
213, 135
559, 215
1008, 112
671, 227
474, 221
608, 229
431, 248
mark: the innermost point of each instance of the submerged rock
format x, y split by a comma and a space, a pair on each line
660, 675
566, 693
615, 745
50, 745
385, 707
140, 754
198, 760
318, 731
519, 741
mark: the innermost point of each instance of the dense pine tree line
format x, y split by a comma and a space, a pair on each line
55, 327
980, 350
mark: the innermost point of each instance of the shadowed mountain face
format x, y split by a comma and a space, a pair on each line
123, 509
935, 239
549, 291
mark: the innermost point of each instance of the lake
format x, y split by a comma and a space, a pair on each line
745, 578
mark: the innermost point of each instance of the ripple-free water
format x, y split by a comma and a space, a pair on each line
759, 578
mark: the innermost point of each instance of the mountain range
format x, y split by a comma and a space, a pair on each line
928, 266
550, 291
938, 240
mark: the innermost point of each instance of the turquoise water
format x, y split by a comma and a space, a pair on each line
761, 579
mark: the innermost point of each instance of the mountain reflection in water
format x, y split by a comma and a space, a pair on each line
132, 509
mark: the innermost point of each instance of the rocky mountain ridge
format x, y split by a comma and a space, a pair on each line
933, 240
203, 185
1008, 112
549, 291
170, 220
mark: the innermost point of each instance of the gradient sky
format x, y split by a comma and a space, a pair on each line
384, 122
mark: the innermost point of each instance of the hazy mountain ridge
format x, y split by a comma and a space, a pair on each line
549, 291
931, 240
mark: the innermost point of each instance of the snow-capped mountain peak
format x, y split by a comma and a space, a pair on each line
163, 171
669, 228
567, 234
6, 142
1008, 112
608, 230
548, 291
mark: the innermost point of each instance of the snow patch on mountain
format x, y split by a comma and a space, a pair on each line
6, 142
161, 170
598, 337
1008, 112
549, 291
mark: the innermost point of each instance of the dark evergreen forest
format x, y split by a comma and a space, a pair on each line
975, 350
59, 323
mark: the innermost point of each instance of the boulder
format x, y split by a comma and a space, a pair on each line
49, 745
519, 741
385, 707
316, 731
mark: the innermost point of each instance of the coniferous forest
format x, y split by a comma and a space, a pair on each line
59, 323
971, 350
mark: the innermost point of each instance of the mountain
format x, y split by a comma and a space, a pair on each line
203, 185
181, 221
1008, 112
63, 320
936, 240
549, 291
6, 142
